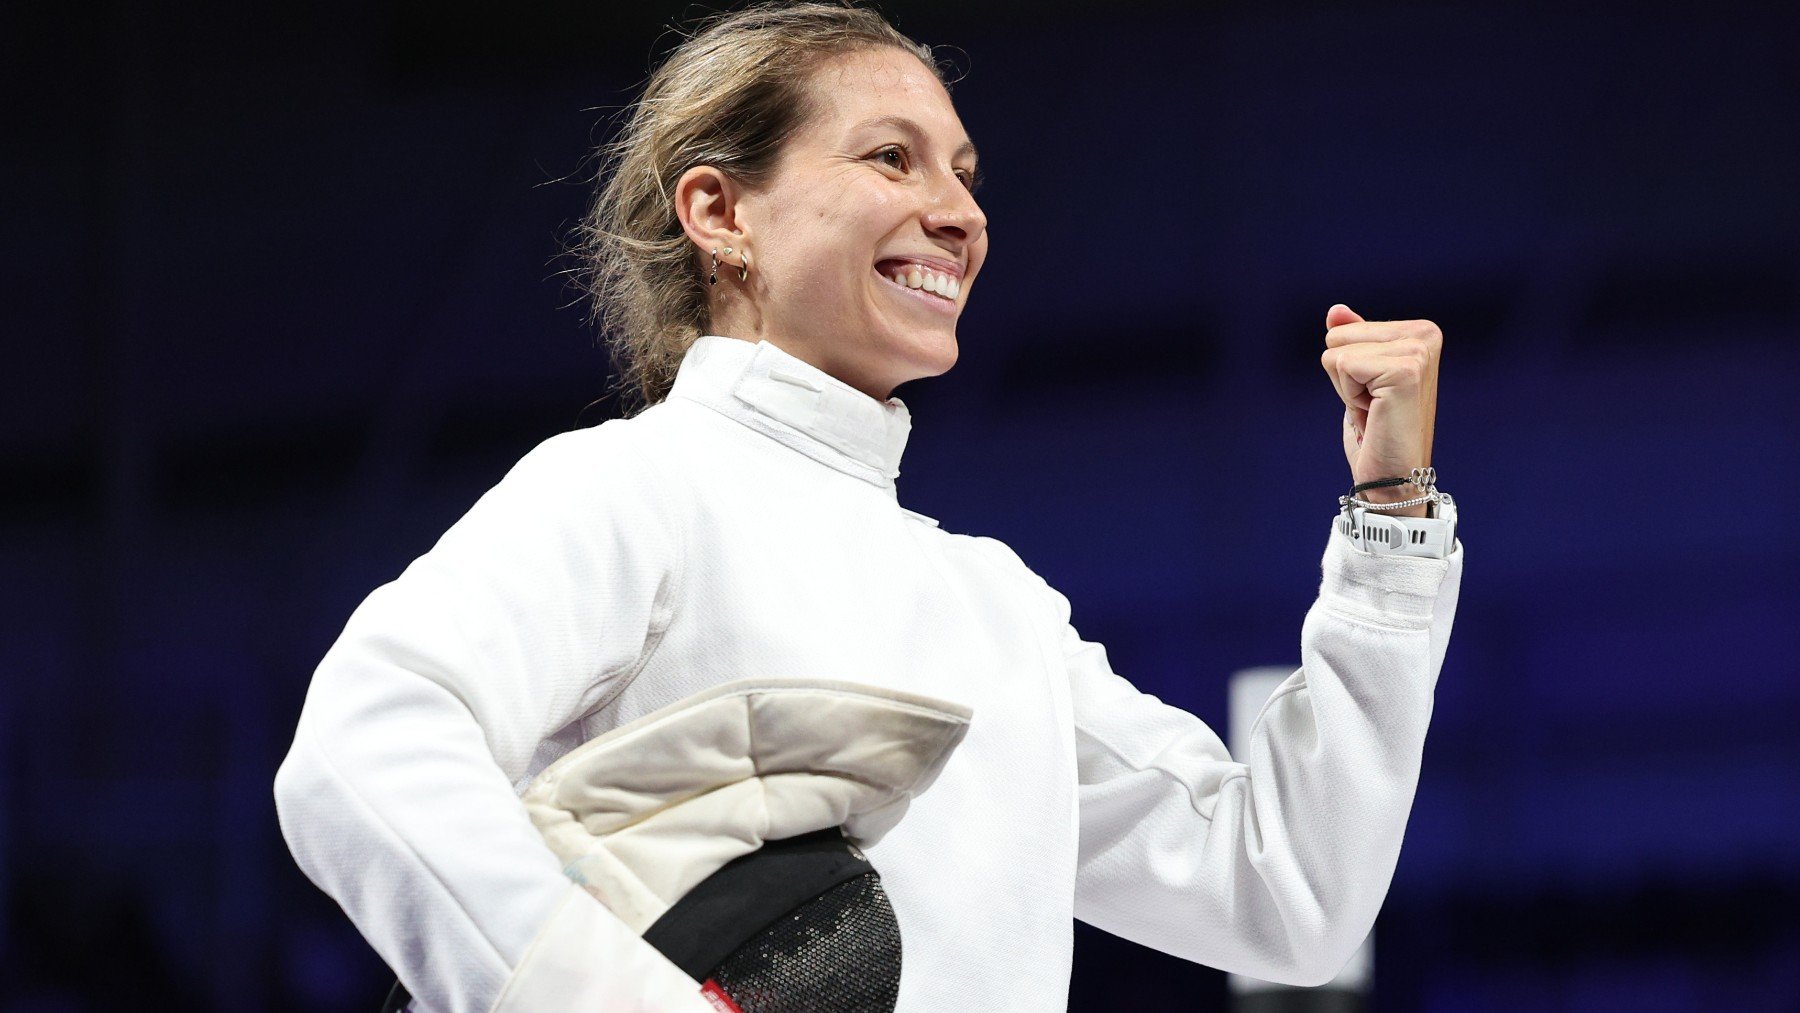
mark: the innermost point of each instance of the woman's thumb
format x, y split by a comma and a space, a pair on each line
1339, 314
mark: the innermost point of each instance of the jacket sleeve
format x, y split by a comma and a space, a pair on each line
397, 795
1272, 864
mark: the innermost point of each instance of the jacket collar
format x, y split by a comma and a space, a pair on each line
798, 405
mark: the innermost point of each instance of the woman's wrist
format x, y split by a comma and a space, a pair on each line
1394, 494
1375, 493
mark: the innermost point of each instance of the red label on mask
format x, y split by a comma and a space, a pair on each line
713, 993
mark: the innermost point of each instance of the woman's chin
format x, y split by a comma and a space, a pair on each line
930, 348
914, 357
946, 356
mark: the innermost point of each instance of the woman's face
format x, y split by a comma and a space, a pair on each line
867, 238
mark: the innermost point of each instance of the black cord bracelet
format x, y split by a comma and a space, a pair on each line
1424, 478
1381, 483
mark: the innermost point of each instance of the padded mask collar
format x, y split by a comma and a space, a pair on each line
641, 814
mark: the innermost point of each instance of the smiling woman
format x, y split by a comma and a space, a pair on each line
645, 722
860, 195
821, 145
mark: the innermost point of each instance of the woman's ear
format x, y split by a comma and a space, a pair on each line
707, 202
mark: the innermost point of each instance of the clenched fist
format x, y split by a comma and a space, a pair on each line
1386, 373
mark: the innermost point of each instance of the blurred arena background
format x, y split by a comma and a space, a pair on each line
280, 302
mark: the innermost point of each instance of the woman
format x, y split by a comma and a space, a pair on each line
786, 231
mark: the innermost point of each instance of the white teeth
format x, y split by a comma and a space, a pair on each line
914, 276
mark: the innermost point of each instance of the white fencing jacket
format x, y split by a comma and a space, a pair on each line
748, 527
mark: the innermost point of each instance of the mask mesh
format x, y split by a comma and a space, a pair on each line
839, 951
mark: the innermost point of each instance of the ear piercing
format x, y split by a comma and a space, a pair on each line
743, 270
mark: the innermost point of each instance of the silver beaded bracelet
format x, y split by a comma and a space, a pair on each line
1424, 478
1431, 497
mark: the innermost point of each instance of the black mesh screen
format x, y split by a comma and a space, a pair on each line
839, 951
800, 925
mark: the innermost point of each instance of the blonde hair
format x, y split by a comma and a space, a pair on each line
729, 96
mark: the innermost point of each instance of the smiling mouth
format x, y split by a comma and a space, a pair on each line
933, 287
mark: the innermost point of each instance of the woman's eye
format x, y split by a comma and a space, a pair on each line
895, 157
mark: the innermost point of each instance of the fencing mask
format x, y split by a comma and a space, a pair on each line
725, 829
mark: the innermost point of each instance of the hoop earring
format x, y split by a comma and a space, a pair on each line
713, 278
744, 269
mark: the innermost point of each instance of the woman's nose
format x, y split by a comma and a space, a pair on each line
956, 216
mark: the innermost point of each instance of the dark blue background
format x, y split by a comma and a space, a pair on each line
280, 302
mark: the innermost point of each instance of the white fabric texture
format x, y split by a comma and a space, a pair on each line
747, 527
641, 814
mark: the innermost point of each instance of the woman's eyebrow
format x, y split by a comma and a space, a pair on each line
967, 147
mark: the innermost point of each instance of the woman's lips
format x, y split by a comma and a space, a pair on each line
933, 278
936, 265
932, 300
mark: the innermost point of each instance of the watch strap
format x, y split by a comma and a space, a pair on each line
1379, 534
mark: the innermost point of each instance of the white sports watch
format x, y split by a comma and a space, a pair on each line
1379, 534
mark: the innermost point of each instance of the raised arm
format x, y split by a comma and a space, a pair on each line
1271, 864
397, 797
